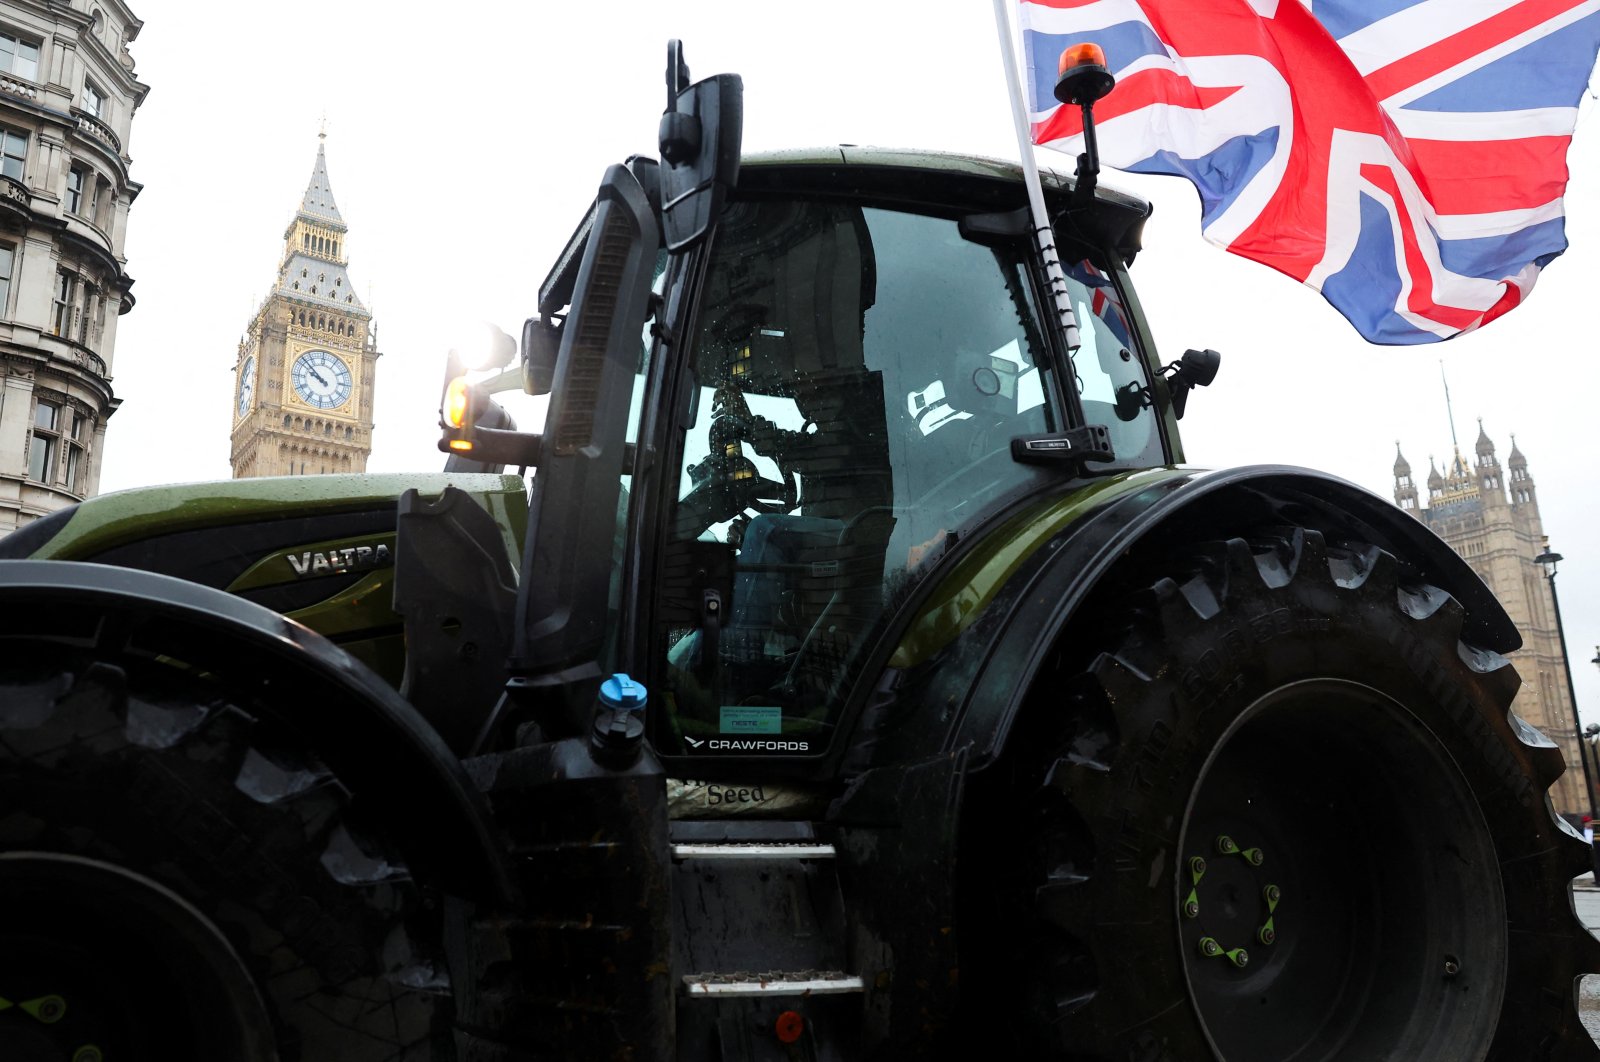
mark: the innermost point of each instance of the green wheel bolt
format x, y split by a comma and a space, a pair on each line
87, 1053
1197, 866
1240, 957
1226, 846
1210, 948
1255, 856
1191, 909
46, 1009
1266, 935
1272, 894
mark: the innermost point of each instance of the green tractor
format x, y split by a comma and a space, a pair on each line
860, 674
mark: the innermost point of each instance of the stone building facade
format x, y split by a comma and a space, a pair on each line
67, 98
1490, 516
305, 371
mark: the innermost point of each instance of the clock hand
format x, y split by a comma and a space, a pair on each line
320, 378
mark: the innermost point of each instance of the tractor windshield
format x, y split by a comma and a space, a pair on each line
857, 375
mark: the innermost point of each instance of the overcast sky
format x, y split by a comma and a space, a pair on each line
464, 143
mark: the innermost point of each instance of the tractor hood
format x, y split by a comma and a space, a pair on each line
317, 549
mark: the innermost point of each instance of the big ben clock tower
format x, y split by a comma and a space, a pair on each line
303, 378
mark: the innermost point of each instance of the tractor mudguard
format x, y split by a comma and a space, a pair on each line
987, 672
376, 742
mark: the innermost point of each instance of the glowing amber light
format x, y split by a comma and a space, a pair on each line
1081, 55
790, 1026
456, 403
462, 445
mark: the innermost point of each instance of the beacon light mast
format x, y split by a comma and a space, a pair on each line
1083, 79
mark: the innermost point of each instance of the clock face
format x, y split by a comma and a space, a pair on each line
322, 379
247, 385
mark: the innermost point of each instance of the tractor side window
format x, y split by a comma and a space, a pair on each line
1110, 374
856, 377
624, 499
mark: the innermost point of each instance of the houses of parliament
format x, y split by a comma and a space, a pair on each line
1489, 514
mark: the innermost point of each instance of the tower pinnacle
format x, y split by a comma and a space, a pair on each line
318, 203
1449, 410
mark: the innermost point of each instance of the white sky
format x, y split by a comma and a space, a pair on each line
462, 151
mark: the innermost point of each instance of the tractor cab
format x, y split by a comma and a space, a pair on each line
843, 406
843, 367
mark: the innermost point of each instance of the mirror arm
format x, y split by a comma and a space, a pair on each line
499, 446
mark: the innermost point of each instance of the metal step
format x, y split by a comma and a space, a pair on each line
753, 850
772, 983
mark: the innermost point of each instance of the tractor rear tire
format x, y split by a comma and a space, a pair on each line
181, 879
1279, 812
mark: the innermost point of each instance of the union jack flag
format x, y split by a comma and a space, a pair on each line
1104, 302
1406, 158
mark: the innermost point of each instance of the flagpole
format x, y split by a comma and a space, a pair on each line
1030, 178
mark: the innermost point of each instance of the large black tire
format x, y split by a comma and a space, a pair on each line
183, 881
1304, 719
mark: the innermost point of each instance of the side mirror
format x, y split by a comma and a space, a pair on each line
1197, 368
701, 132
541, 340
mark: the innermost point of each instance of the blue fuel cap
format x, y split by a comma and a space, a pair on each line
621, 693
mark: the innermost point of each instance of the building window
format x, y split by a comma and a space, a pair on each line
90, 294
13, 153
75, 469
19, 57
77, 452
66, 284
42, 451
93, 101
76, 179
100, 203
8, 255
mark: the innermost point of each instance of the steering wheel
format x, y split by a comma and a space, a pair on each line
783, 496
733, 426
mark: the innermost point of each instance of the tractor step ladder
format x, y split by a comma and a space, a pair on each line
759, 932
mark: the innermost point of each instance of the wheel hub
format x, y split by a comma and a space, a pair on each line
114, 965
1341, 904
1232, 902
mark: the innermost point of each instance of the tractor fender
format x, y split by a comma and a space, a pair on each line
376, 743
1118, 540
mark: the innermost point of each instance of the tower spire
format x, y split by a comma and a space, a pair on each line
1449, 410
318, 202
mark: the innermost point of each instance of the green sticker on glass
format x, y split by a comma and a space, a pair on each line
751, 719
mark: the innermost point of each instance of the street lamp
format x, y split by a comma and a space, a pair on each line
1548, 561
